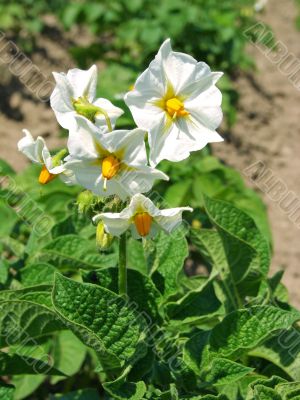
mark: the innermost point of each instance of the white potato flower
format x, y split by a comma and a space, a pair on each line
114, 163
260, 5
37, 152
177, 102
75, 93
142, 217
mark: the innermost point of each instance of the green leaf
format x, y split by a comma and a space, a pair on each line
19, 364
265, 389
194, 349
228, 257
84, 394
210, 245
283, 350
177, 194
6, 169
261, 392
71, 252
68, 353
22, 319
37, 274
13, 245
168, 259
40, 294
4, 271
237, 334
26, 384
8, 219
238, 224
200, 304
225, 371
239, 261
100, 318
239, 389
136, 257
6, 391
141, 289
121, 390
243, 330
289, 390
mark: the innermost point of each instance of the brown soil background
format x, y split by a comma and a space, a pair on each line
267, 129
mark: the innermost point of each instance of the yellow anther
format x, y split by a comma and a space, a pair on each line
143, 222
175, 108
45, 176
110, 167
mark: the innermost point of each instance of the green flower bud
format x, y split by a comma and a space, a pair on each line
103, 239
56, 160
83, 107
85, 201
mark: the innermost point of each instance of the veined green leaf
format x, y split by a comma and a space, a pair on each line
22, 319
8, 219
37, 274
26, 384
68, 353
200, 304
122, 390
265, 389
243, 330
71, 252
283, 350
84, 394
225, 371
6, 391
236, 223
136, 257
168, 259
19, 364
140, 290
101, 319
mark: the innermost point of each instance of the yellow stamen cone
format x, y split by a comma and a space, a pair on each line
143, 222
45, 176
110, 167
175, 108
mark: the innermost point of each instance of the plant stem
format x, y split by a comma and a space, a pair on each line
122, 266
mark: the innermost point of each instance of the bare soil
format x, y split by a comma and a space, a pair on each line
267, 129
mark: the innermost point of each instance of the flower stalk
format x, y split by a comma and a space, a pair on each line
122, 265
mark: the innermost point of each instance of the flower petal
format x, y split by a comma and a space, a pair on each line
61, 97
170, 218
87, 174
82, 140
83, 82
128, 146
165, 144
139, 179
179, 68
114, 223
196, 134
35, 150
113, 112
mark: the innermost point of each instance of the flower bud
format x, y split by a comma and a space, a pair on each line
85, 201
103, 239
196, 224
56, 160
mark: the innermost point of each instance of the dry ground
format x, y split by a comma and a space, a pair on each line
267, 129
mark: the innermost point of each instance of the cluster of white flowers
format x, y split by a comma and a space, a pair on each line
175, 102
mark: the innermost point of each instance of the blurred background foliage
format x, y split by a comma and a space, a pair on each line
123, 36
127, 34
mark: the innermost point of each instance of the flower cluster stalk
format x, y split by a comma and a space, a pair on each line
122, 265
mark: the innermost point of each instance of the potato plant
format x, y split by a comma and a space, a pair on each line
112, 285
